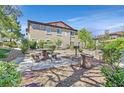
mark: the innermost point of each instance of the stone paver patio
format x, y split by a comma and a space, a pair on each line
60, 73
69, 76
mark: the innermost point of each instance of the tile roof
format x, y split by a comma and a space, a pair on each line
53, 24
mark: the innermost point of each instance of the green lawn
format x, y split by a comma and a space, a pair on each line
4, 52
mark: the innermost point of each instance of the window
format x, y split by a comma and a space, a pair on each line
42, 27
36, 26
59, 31
48, 29
72, 33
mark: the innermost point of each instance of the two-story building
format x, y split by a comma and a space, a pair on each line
52, 31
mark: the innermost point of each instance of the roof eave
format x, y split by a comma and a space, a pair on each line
30, 21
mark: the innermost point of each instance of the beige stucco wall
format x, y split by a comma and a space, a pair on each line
53, 36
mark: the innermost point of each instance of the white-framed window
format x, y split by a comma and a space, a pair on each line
59, 31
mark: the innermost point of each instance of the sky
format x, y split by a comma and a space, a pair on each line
95, 19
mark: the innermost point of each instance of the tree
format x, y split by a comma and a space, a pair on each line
9, 24
85, 37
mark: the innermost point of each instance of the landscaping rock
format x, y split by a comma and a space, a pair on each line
25, 66
14, 53
40, 66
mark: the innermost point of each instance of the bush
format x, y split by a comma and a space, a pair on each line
80, 50
33, 44
24, 45
58, 43
112, 52
50, 45
41, 43
9, 77
113, 78
1, 43
53, 47
24, 49
11, 44
91, 44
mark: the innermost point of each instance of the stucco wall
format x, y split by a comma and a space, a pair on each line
53, 36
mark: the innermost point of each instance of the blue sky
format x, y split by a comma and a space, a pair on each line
96, 19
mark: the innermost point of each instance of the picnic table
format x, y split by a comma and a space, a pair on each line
44, 54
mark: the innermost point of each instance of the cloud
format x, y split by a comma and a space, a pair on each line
116, 25
74, 19
97, 23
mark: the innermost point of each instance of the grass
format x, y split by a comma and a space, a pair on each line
4, 52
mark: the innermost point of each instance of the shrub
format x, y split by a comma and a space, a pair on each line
53, 47
10, 44
58, 43
9, 77
1, 43
91, 44
80, 50
114, 78
50, 45
41, 43
112, 52
33, 44
24, 49
13, 44
24, 45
